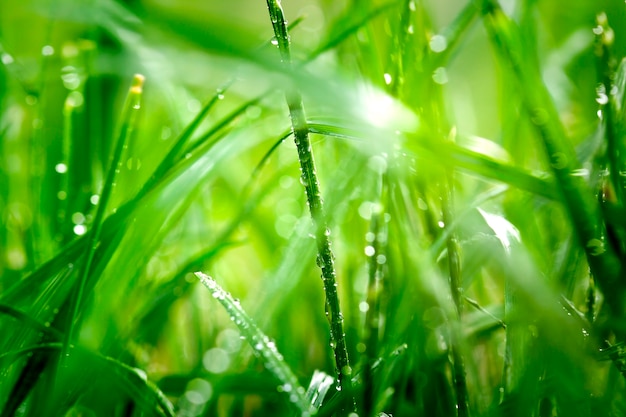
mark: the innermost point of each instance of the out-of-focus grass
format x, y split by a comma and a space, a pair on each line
470, 158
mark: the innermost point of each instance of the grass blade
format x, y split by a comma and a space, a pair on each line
262, 345
579, 201
311, 185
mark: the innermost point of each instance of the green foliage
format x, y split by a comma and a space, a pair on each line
465, 159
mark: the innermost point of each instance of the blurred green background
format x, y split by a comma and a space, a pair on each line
422, 139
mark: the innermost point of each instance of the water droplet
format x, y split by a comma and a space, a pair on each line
133, 164
370, 237
601, 97
441, 224
61, 195
274, 41
61, 168
378, 164
440, 76
438, 43
47, 50
387, 78
94, 199
410, 29
381, 259
80, 229
370, 250
6, 59
412, 6
70, 78
216, 360
78, 218
364, 306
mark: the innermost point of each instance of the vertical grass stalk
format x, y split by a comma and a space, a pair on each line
128, 120
314, 199
454, 265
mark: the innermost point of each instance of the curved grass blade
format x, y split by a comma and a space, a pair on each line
454, 155
261, 344
319, 386
139, 388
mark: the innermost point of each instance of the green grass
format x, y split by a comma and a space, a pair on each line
453, 171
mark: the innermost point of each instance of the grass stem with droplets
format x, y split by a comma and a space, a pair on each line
314, 199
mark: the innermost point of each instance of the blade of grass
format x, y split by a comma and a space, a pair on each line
453, 155
311, 184
262, 345
579, 201
128, 120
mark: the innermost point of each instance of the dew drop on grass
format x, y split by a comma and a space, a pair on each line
70, 78
6, 59
78, 218
75, 99
94, 199
61, 168
370, 250
388, 78
216, 360
47, 50
438, 43
364, 306
274, 41
141, 374
440, 76
80, 229
378, 164
133, 164
601, 97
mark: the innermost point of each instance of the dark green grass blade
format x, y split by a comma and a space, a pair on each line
312, 190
